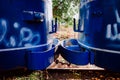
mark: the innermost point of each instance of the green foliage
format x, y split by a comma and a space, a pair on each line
64, 10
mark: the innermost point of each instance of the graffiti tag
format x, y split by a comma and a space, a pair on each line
27, 37
116, 35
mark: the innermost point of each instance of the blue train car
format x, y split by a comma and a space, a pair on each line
99, 31
25, 28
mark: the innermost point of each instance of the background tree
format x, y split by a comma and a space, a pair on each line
65, 10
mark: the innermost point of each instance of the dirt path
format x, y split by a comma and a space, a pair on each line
65, 33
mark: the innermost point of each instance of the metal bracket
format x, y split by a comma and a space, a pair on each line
33, 16
54, 26
75, 28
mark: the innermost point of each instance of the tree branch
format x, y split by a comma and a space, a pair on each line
56, 7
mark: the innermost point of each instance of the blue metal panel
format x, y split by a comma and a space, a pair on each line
109, 61
71, 51
101, 23
12, 59
23, 27
101, 34
20, 23
41, 59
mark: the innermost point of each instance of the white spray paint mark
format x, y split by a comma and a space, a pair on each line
37, 39
12, 41
3, 29
86, 2
27, 37
116, 35
24, 37
117, 16
16, 25
109, 34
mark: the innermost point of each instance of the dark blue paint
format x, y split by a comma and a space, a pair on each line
109, 61
95, 16
12, 60
41, 59
24, 30
91, 57
18, 11
101, 21
71, 51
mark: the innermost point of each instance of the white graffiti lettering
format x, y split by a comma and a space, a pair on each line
109, 34
27, 37
114, 28
117, 16
3, 29
35, 39
16, 25
12, 41
85, 2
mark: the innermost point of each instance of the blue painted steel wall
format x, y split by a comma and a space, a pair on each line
20, 25
101, 21
101, 34
24, 29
